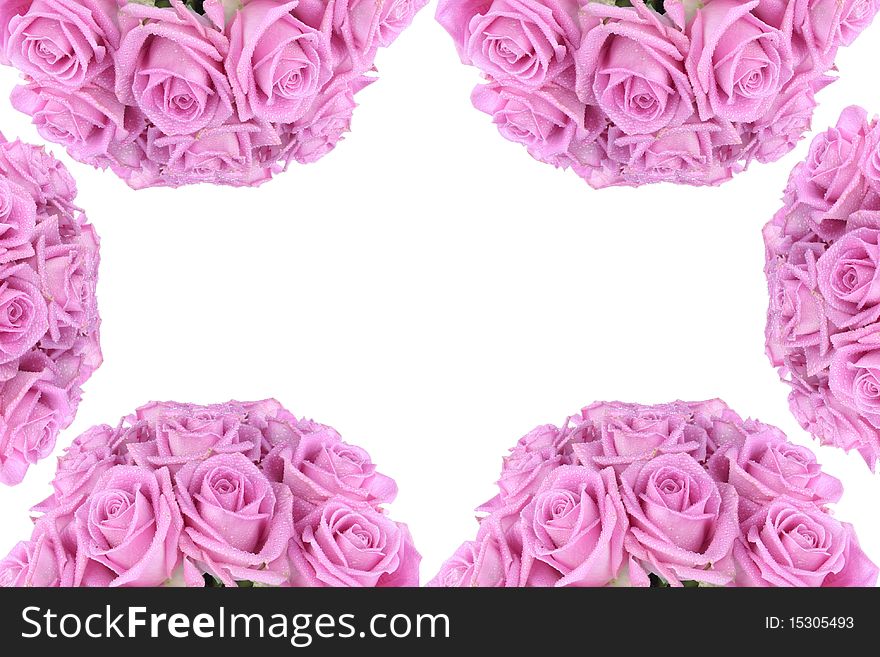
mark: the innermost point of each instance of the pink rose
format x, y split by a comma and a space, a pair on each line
18, 219
184, 433
319, 466
33, 409
236, 523
724, 427
276, 424
82, 466
455, 17
276, 64
14, 567
42, 561
576, 525
853, 18
683, 522
786, 122
550, 122
797, 317
871, 158
64, 43
170, 64
684, 154
526, 42
340, 544
523, 472
790, 544
130, 433
39, 173
459, 570
630, 433
766, 466
131, 525
824, 416
534, 456
224, 153
494, 560
632, 65
828, 184
89, 122
318, 132
552, 437
737, 63
849, 279
23, 312
497, 559
824, 25
69, 278
366, 25
854, 375
9, 10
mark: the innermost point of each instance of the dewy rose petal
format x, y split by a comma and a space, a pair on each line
223, 495
678, 494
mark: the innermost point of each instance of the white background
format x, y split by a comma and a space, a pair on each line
433, 293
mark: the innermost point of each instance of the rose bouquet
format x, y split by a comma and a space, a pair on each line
630, 93
683, 494
225, 495
167, 92
823, 273
48, 314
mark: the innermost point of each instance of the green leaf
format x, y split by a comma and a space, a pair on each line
658, 582
212, 582
656, 5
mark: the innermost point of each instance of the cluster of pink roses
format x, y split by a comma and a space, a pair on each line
681, 494
222, 91
48, 314
239, 493
823, 273
630, 93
